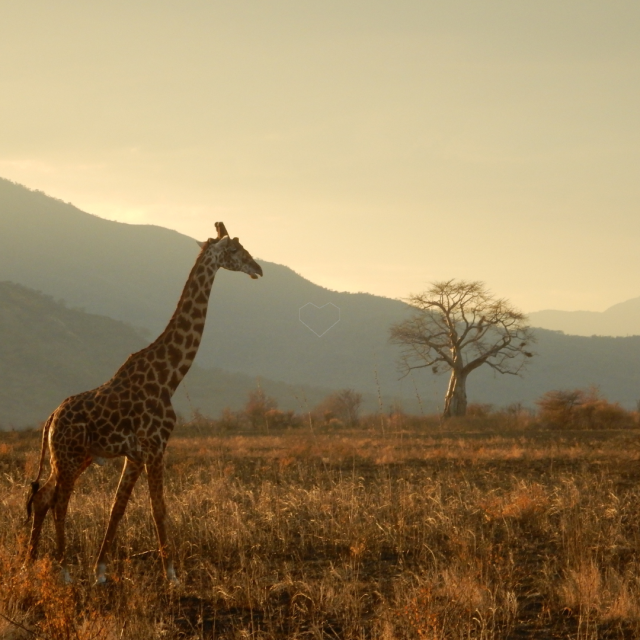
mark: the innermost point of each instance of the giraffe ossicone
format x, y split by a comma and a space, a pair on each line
131, 414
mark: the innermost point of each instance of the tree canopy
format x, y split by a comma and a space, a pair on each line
457, 326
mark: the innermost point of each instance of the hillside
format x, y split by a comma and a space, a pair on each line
622, 319
568, 362
135, 273
48, 352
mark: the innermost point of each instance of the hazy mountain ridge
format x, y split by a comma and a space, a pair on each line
136, 273
622, 319
48, 352
567, 362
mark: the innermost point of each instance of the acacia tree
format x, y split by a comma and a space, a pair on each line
458, 326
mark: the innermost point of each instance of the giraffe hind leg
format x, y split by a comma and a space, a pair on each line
41, 500
64, 487
65, 482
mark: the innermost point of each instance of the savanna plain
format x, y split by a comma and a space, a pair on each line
492, 526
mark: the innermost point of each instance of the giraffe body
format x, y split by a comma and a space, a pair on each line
131, 414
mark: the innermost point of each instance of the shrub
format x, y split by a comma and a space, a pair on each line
478, 410
198, 420
343, 406
257, 407
276, 419
581, 409
229, 420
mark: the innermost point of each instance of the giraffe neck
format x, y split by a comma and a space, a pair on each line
173, 352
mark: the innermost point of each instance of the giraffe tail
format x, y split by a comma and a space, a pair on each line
35, 485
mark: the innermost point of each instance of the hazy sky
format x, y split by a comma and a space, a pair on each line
369, 145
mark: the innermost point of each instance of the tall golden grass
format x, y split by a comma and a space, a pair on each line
480, 529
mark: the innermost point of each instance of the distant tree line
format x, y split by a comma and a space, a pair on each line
576, 409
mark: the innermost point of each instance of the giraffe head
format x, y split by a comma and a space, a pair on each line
230, 254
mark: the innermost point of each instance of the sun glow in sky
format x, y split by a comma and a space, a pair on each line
371, 146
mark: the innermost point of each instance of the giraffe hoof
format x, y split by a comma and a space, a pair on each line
101, 575
172, 578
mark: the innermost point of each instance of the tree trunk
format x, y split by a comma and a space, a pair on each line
455, 402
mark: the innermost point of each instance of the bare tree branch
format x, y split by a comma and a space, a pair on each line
458, 326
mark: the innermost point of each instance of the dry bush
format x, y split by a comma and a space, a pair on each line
582, 409
342, 406
277, 419
257, 407
260, 414
228, 420
478, 410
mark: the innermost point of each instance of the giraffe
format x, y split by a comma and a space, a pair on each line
130, 415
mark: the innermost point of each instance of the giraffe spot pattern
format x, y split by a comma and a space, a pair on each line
131, 415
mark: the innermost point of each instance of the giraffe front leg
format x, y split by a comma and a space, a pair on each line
155, 471
130, 474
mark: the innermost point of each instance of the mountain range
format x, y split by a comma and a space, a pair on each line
273, 328
48, 352
622, 319
135, 274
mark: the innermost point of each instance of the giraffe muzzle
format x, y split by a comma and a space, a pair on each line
257, 270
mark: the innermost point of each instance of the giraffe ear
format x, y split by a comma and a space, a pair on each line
202, 245
222, 230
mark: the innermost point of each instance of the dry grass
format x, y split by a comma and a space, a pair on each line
417, 533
